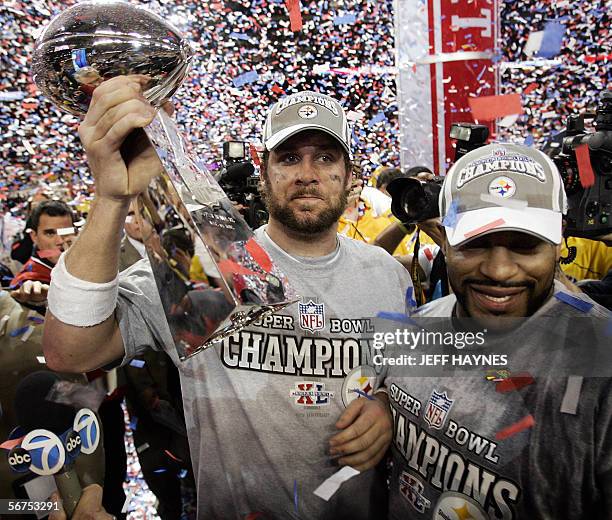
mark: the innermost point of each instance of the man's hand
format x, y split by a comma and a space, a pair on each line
31, 292
367, 429
88, 508
122, 161
433, 228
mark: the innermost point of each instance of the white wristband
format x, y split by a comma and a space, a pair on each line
77, 302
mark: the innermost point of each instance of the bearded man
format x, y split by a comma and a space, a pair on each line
273, 410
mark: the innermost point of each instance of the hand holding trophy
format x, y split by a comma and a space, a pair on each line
118, 57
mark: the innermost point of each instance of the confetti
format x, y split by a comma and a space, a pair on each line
525, 423
574, 301
488, 108
486, 227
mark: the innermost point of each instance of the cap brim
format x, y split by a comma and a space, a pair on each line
542, 223
280, 137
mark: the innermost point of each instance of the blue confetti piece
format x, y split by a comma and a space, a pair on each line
394, 316
450, 219
295, 496
137, 363
377, 119
529, 140
134, 423
575, 302
239, 36
410, 301
484, 69
551, 40
36, 319
245, 79
160, 470
182, 473
346, 19
19, 332
363, 394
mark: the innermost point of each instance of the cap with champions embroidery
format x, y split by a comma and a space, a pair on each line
501, 187
305, 111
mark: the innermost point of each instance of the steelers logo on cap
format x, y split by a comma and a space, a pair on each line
502, 187
308, 112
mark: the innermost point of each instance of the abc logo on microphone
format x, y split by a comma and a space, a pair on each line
45, 453
72, 443
19, 459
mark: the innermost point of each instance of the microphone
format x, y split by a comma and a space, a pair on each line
237, 172
56, 435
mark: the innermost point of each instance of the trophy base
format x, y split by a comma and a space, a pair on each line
241, 317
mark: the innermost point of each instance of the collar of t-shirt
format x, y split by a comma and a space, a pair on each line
139, 246
308, 261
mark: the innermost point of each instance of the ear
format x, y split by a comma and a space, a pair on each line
349, 179
34, 237
445, 245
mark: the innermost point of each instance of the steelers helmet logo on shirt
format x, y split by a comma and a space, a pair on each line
358, 383
457, 506
308, 112
503, 187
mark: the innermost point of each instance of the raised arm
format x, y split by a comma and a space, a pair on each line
122, 163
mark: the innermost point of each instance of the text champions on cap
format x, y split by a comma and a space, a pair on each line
306, 98
501, 162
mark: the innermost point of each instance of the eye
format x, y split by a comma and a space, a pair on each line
328, 157
289, 158
50, 232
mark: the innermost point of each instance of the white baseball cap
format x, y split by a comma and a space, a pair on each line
503, 187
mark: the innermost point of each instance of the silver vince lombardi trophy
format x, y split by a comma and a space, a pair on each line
184, 213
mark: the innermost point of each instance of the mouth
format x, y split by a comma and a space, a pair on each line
498, 300
306, 197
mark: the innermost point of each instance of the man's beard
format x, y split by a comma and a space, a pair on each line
308, 225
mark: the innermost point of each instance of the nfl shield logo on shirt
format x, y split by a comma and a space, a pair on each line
312, 316
437, 409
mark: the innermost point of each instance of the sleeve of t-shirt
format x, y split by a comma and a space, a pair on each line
603, 450
140, 313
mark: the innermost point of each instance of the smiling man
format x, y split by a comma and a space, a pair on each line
272, 411
532, 444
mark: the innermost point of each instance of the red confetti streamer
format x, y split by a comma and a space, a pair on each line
598, 57
11, 443
295, 14
585, 169
486, 227
254, 155
488, 108
530, 88
514, 383
526, 422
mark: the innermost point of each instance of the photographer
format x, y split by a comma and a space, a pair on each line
427, 268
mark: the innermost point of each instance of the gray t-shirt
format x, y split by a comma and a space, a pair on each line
261, 406
535, 448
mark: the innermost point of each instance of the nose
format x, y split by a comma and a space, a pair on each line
308, 173
499, 264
